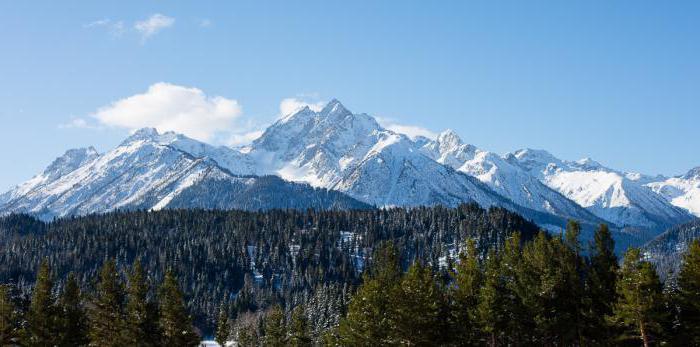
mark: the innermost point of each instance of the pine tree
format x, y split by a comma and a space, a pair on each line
573, 302
368, 317
640, 305
42, 319
223, 328
491, 309
9, 319
464, 293
602, 275
175, 323
74, 323
417, 309
688, 297
140, 326
299, 334
107, 324
275, 328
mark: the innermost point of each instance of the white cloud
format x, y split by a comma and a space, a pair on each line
153, 25
292, 105
244, 139
77, 123
169, 107
115, 28
411, 131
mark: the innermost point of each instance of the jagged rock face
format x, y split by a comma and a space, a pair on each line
361, 162
609, 194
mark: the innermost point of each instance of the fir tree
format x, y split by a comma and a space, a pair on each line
367, 322
640, 305
107, 324
42, 319
175, 323
74, 323
688, 296
223, 328
417, 317
602, 275
275, 328
299, 334
141, 329
464, 294
9, 319
492, 310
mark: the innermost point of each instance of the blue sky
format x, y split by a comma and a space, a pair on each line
616, 81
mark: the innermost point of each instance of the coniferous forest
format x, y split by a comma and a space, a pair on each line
421, 277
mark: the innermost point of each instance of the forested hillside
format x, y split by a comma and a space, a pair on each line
250, 259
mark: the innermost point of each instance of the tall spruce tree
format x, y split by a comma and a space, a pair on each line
492, 308
640, 307
688, 296
9, 319
299, 330
107, 323
73, 319
174, 321
602, 275
42, 318
464, 294
573, 303
367, 322
418, 309
275, 328
141, 328
223, 328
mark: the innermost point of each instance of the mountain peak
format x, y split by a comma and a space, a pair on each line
142, 134
449, 138
693, 174
334, 106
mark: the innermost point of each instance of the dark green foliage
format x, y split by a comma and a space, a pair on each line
299, 333
42, 318
601, 294
275, 328
73, 319
464, 295
284, 255
9, 318
640, 307
223, 328
142, 328
175, 323
107, 321
688, 296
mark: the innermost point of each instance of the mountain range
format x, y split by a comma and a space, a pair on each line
333, 158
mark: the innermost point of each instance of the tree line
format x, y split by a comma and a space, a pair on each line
544, 292
116, 314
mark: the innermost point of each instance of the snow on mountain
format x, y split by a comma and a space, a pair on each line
682, 191
607, 193
352, 153
503, 177
148, 170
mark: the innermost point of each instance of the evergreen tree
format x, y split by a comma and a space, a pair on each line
464, 294
640, 305
74, 323
367, 322
107, 324
492, 309
688, 296
42, 319
223, 328
299, 335
9, 319
275, 328
175, 323
573, 303
418, 309
141, 329
602, 275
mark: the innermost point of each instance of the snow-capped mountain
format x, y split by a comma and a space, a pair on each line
503, 177
153, 171
350, 161
682, 191
609, 194
351, 153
